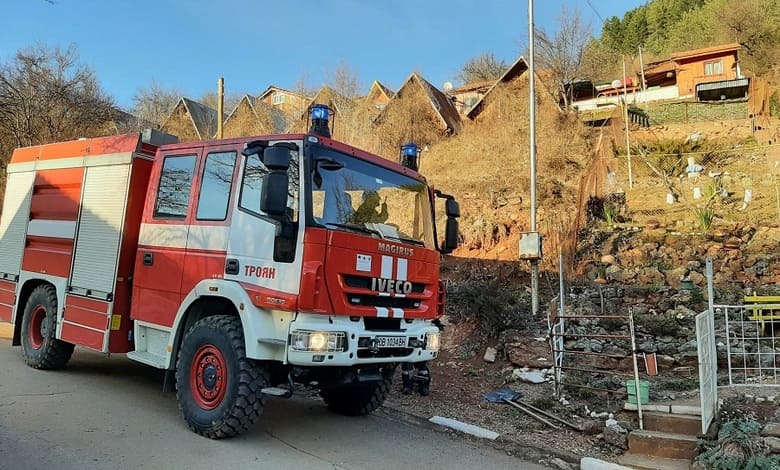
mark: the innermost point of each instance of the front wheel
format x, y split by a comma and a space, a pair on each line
357, 399
40, 347
217, 386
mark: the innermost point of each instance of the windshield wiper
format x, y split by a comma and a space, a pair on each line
358, 228
408, 240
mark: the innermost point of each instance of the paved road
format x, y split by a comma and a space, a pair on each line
109, 413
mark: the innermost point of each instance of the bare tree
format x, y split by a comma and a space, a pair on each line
153, 103
47, 96
210, 99
483, 67
345, 81
562, 54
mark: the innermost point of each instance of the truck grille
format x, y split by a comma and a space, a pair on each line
387, 302
363, 282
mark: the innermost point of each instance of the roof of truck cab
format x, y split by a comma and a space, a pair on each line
98, 146
324, 141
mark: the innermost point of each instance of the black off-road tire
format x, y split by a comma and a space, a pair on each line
226, 398
40, 348
358, 399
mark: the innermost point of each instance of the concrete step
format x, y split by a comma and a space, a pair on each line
645, 462
662, 444
680, 424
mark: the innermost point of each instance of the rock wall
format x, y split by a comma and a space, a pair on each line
687, 112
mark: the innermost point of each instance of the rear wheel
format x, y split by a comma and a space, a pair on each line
357, 399
217, 386
40, 348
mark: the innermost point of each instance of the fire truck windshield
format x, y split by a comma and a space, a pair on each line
350, 194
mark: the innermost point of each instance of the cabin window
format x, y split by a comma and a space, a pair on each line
173, 193
278, 98
252, 184
216, 186
713, 68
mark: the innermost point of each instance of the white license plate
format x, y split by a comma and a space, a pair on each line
391, 341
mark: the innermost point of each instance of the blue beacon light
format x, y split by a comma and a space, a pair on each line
319, 120
409, 155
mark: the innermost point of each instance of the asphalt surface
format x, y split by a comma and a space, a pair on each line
109, 413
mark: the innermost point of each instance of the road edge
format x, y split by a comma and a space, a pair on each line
504, 442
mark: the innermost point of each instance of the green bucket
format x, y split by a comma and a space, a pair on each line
644, 391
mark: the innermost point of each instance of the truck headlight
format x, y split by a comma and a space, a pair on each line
318, 341
433, 341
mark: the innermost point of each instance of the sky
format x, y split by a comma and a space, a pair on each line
189, 44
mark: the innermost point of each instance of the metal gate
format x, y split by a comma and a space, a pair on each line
708, 368
751, 347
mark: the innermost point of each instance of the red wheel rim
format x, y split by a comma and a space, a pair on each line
36, 327
207, 377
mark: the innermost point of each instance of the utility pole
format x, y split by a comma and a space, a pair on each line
625, 117
532, 155
642, 71
220, 106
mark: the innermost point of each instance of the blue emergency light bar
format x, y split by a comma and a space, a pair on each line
319, 111
319, 119
409, 154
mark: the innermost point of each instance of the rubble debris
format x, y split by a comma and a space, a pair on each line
490, 355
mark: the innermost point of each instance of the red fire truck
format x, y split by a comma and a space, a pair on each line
239, 266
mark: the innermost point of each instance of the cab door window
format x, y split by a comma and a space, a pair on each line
173, 193
216, 186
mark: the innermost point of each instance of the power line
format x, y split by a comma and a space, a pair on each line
595, 11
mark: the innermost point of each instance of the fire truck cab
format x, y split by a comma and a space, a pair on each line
241, 266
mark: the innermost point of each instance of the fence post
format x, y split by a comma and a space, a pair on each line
636, 369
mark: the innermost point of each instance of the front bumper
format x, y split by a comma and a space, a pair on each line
358, 342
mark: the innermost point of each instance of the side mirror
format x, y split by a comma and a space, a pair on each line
276, 158
273, 200
450, 236
452, 208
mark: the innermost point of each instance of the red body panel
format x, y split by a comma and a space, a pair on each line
46, 255
7, 300
57, 194
157, 292
330, 256
77, 148
83, 336
200, 265
87, 312
314, 296
271, 299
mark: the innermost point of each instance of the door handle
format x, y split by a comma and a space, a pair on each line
148, 259
231, 266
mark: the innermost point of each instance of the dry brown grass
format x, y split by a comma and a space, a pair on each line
487, 167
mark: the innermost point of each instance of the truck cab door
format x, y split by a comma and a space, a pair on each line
259, 254
207, 240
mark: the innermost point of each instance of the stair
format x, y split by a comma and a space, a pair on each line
668, 441
645, 462
665, 422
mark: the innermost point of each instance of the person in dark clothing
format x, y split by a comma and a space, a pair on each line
423, 376
367, 212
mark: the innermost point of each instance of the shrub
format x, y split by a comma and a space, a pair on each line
739, 446
498, 306
704, 216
